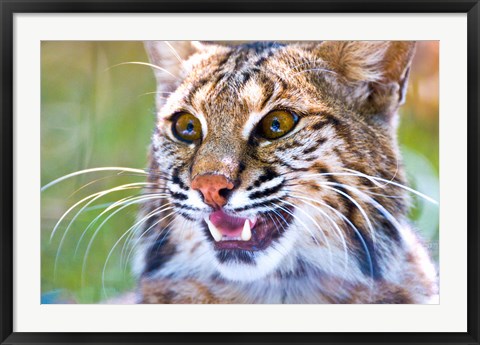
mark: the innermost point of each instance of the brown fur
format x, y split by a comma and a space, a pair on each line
346, 95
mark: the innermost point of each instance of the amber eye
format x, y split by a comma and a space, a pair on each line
186, 127
276, 124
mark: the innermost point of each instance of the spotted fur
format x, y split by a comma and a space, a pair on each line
342, 236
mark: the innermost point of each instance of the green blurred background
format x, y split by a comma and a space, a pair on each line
97, 114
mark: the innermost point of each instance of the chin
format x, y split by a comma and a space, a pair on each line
248, 266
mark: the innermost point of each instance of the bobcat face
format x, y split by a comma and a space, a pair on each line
276, 158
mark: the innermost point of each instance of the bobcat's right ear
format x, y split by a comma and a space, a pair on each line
169, 63
375, 73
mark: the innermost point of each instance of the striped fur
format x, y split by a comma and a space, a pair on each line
340, 237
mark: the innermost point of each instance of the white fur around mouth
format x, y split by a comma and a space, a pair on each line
246, 234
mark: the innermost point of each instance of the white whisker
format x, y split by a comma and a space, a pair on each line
360, 208
306, 227
153, 93
64, 236
378, 185
175, 53
90, 183
97, 230
358, 233
95, 196
145, 64
315, 70
377, 205
375, 180
155, 212
112, 205
169, 229
80, 172
116, 204
335, 225
111, 252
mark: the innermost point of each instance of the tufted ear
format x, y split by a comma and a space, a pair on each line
169, 63
372, 74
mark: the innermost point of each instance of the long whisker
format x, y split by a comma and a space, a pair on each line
98, 207
108, 208
110, 254
169, 229
310, 217
372, 201
145, 64
97, 230
155, 212
95, 196
271, 209
360, 208
133, 233
374, 179
116, 204
137, 242
315, 70
64, 236
90, 183
153, 93
80, 172
383, 195
335, 225
378, 185
310, 63
357, 232
167, 226
306, 227
175, 53
151, 172
277, 224
132, 249
108, 258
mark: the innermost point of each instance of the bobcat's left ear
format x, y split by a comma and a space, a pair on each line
374, 73
171, 63
168, 60
391, 89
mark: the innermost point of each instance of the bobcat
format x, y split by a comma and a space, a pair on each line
280, 162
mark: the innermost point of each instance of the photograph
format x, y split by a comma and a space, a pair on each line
240, 172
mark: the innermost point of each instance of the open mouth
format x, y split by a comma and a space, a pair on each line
257, 233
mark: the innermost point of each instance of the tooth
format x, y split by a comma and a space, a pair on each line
246, 232
217, 236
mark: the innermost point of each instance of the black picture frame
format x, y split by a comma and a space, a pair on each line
8, 8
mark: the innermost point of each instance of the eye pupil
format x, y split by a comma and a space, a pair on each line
275, 125
186, 127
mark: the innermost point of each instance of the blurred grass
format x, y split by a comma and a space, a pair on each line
418, 134
96, 115
93, 115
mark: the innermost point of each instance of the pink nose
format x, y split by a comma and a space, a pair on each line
210, 187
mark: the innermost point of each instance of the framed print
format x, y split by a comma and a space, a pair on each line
169, 177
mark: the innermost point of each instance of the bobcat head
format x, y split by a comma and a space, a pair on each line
276, 159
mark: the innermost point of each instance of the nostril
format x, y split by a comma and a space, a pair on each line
214, 188
225, 192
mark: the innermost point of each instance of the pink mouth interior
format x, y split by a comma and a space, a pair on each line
228, 225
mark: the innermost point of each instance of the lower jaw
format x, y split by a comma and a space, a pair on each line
263, 235
243, 245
